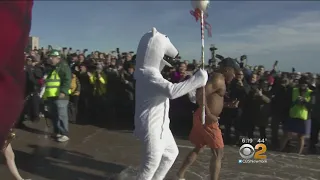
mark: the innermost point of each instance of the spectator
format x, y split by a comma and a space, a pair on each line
261, 108
74, 98
299, 114
239, 91
99, 81
86, 91
247, 118
126, 96
280, 105
181, 74
32, 100
57, 95
315, 120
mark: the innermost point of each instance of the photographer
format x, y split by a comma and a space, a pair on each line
239, 91
32, 100
298, 122
280, 105
75, 88
181, 108
315, 119
86, 92
261, 105
99, 81
247, 120
127, 95
73, 60
228, 114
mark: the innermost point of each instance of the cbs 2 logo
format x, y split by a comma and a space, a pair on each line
247, 151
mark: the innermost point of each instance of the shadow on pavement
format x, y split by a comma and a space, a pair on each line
32, 130
58, 164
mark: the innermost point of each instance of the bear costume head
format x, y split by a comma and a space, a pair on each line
153, 48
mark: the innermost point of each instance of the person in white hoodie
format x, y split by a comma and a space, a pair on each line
152, 104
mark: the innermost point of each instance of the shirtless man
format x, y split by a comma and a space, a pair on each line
210, 133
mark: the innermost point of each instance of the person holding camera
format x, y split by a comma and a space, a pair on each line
280, 105
86, 92
126, 96
315, 119
261, 108
99, 81
32, 99
247, 120
230, 102
239, 91
75, 89
298, 122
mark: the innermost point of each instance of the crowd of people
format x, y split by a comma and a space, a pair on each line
99, 88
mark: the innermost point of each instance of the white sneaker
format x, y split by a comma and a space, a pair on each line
63, 139
58, 135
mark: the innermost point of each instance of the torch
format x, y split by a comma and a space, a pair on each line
199, 12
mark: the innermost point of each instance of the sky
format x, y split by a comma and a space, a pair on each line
287, 31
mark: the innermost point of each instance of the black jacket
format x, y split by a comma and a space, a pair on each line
33, 75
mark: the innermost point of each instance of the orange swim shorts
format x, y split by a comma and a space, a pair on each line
205, 135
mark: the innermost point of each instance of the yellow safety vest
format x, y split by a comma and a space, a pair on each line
299, 111
52, 84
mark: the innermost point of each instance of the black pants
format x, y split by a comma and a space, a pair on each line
98, 109
275, 124
73, 108
262, 132
125, 114
228, 118
33, 106
84, 107
315, 129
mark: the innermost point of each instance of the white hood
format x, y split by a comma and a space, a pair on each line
153, 46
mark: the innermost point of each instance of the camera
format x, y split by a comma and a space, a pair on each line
243, 57
213, 48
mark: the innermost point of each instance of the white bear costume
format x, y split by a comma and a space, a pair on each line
152, 104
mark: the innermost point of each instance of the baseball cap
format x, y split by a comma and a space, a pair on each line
54, 53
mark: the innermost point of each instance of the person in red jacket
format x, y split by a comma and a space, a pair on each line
16, 15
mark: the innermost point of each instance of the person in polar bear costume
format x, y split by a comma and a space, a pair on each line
152, 104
